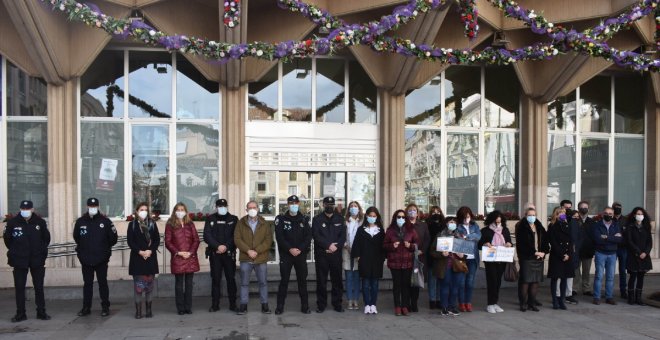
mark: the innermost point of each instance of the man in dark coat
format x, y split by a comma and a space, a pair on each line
622, 251
221, 251
329, 232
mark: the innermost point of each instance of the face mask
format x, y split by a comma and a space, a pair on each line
607, 218
412, 213
583, 211
531, 219
142, 214
400, 221
354, 211
371, 220
222, 210
617, 211
26, 213
467, 220
93, 211
562, 217
294, 208
329, 210
252, 212
451, 226
180, 214
639, 218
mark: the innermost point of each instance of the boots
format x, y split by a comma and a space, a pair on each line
555, 301
631, 296
148, 305
638, 297
138, 310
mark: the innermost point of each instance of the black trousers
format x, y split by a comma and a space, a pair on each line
299, 262
222, 263
414, 296
494, 272
183, 297
20, 279
328, 263
101, 271
401, 286
636, 280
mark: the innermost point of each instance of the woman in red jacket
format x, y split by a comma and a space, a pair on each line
399, 243
182, 240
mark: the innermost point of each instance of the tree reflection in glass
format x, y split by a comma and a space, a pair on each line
151, 166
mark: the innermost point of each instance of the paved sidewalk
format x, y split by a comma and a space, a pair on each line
583, 321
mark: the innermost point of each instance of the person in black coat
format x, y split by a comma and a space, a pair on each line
329, 231
639, 242
143, 238
370, 255
584, 247
532, 247
436, 223
95, 235
494, 234
221, 251
561, 265
27, 238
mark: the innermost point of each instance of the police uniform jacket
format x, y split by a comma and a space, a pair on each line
293, 232
27, 241
219, 230
94, 236
328, 230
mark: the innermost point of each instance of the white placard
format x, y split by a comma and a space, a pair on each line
444, 244
497, 254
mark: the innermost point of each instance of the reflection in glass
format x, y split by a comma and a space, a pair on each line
362, 95
501, 164
262, 97
462, 171
197, 166
594, 174
629, 104
329, 184
423, 155
561, 169
297, 90
330, 81
151, 166
295, 183
150, 84
502, 97
629, 172
562, 114
102, 86
102, 168
196, 97
595, 108
26, 96
262, 190
27, 164
363, 188
423, 104
463, 96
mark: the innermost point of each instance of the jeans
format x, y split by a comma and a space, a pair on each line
434, 287
449, 287
494, 272
622, 256
352, 284
370, 291
183, 296
604, 263
465, 290
401, 286
261, 271
582, 281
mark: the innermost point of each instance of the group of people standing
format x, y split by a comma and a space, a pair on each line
357, 244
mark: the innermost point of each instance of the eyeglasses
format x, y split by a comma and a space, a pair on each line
400, 216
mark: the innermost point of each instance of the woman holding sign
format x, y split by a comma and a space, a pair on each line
449, 268
494, 234
532, 246
469, 231
399, 243
561, 256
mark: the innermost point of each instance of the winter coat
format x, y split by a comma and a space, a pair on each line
260, 241
436, 225
346, 249
183, 239
138, 242
423, 239
400, 257
370, 251
525, 240
585, 242
561, 243
27, 241
610, 244
638, 240
94, 236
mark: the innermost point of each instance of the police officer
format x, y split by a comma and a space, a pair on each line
294, 238
221, 251
329, 232
27, 238
94, 235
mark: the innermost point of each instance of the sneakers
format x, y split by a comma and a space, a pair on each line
373, 309
491, 309
498, 308
265, 309
367, 309
571, 300
596, 301
397, 311
404, 311
84, 311
444, 312
462, 308
468, 307
453, 312
242, 310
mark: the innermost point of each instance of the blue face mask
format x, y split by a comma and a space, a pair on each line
451, 226
562, 217
26, 213
354, 211
412, 213
294, 208
400, 221
531, 219
371, 219
222, 210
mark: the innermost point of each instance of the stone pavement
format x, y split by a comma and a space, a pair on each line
583, 321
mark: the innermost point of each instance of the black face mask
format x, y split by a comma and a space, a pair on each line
329, 209
583, 211
617, 211
607, 218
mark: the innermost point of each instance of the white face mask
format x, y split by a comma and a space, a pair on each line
252, 212
93, 211
222, 210
180, 214
639, 218
142, 214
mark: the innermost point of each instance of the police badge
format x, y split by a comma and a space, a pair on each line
101, 225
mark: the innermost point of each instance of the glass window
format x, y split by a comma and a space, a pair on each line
102, 86
196, 96
502, 97
561, 169
27, 164
26, 96
629, 104
462, 171
596, 104
262, 97
150, 84
423, 155
594, 174
362, 95
151, 166
330, 184
197, 155
263, 187
295, 183
501, 165
629, 172
561, 113
330, 92
102, 170
363, 188
297, 90
463, 96
423, 104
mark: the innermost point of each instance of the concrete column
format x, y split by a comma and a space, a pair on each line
534, 155
233, 147
653, 163
391, 190
63, 198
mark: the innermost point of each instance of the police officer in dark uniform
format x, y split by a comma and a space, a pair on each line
329, 232
221, 251
27, 238
294, 238
94, 235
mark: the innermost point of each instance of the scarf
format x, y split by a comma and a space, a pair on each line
144, 227
498, 238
